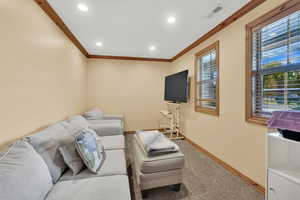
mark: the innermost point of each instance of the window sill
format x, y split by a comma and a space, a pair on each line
258, 120
207, 111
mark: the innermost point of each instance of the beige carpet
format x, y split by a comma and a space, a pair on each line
203, 180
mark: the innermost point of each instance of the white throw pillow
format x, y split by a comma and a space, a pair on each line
71, 157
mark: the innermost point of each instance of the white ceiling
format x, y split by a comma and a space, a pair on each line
129, 27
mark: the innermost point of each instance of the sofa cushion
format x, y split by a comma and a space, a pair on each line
114, 117
107, 121
113, 142
114, 164
106, 188
155, 164
23, 173
91, 151
76, 124
106, 127
46, 143
71, 157
93, 114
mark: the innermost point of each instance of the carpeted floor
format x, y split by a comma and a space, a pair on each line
203, 180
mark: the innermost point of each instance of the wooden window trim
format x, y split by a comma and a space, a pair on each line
197, 55
279, 12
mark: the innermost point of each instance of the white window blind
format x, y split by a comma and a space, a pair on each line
207, 80
276, 66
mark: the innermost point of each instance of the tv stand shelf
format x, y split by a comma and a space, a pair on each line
173, 116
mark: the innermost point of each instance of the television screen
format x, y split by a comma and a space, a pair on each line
176, 87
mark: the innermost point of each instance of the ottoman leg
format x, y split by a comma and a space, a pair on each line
144, 194
176, 187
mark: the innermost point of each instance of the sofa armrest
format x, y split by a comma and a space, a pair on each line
113, 117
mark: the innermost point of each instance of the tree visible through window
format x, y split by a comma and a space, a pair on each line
274, 66
206, 80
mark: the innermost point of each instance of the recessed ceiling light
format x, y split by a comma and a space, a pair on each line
152, 48
171, 20
82, 7
99, 44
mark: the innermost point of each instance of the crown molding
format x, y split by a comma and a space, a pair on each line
59, 22
129, 58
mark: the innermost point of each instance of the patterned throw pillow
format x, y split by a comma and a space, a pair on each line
91, 152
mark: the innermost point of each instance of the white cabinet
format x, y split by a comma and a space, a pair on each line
283, 168
282, 188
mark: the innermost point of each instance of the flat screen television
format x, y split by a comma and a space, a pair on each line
176, 87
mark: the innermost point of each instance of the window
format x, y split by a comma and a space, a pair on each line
273, 65
207, 80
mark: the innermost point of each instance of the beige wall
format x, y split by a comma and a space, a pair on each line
229, 137
132, 88
43, 76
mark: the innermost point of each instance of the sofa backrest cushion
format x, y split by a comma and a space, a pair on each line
47, 142
76, 124
94, 114
23, 173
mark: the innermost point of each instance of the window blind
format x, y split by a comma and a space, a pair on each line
207, 80
275, 73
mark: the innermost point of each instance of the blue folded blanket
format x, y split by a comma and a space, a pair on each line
155, 143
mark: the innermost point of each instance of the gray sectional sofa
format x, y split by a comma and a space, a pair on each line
33, 169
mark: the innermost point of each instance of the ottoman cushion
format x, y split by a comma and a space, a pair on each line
155, 164
159, 179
